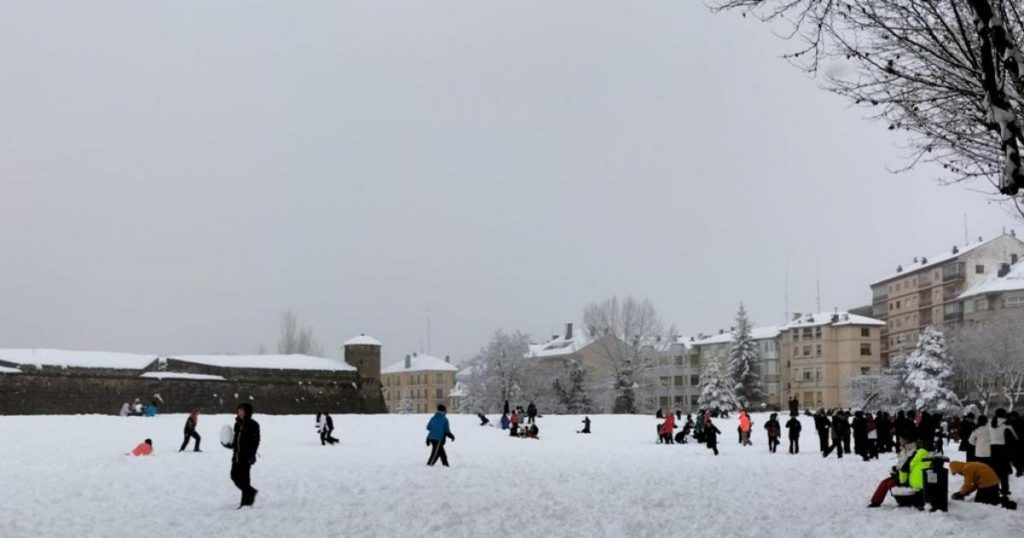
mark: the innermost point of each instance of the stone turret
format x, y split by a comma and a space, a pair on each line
363, 352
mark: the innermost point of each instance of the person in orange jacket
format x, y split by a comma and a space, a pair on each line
667, 435
745, 428
977, 477
144, 448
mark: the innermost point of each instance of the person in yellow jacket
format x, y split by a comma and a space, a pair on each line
909, 471
977, 477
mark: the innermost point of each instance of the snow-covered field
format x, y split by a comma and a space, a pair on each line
69, 476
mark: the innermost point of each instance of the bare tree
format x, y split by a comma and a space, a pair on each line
988, 362
948, 72
622, 330
295, 341
497, 372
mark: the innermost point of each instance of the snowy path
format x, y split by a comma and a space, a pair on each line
68, 476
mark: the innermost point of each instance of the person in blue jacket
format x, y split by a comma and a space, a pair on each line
437, 431
151, 409
504, 421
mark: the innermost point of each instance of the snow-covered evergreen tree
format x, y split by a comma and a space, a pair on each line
929, 373
716, 389
405, 406
572, 393
744, 358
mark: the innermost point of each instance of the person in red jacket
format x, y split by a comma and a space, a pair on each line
745, 428
514, 425
190, 431
667, 434
144, 448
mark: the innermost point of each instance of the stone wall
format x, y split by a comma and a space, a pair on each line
72, 391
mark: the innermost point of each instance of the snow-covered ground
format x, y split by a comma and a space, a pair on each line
69, 476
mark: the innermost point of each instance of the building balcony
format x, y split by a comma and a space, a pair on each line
953, 272
953, 316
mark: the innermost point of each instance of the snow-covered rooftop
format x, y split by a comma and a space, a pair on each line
362, 340
559, 346
76, 359
756, 333
8, 370
270, 362
826, 318
420, 363
932, 261
1012, 281
182, 375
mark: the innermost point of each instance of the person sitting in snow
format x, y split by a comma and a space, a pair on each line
911, 464
977, 477
137, 408
144, 448
151, 409
504, 421
586, 425
531, 432
125, 410
483, 419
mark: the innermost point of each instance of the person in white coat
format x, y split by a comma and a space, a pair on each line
125, 410
981, 440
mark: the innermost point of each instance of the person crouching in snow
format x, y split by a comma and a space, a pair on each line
144, 448
711, 433
586, 425
437, 431
977, 477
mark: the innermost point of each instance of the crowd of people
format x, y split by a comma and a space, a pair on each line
136, 409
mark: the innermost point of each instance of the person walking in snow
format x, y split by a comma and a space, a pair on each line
244, 445
667, 435
711, 433
1002, 438
837, 437
821, 424
586, 425
514, 425
325, 425
981, 441
438, 431
774, 431
860, 435
793, 426
745, 426
844, 429
190, 431
531, 413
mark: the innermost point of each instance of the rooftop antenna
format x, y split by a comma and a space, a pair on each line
817, 279
966, 241
785, 317
428, 329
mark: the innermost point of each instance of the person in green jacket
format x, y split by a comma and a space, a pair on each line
908, 472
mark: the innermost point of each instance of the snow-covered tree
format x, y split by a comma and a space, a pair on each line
497, 372
744, 359
405, 406
929, 373
621, 332
716, 390
572, 391
988, 363
871, 392
948, 73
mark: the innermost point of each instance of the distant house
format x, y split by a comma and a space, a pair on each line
423, 380
999, 297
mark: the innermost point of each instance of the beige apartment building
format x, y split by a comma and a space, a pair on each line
927, 291
821, 352
768, 346
424, 380
997, 298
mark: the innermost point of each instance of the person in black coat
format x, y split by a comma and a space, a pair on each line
844, 429
774, 431
860, 436
190, 431
821, 424
884, 427
586, 425
794, 406
245, 444
965, 430
711, 433
794, 427
531, 413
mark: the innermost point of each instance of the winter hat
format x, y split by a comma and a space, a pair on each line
247, 407
442, 408
149, 442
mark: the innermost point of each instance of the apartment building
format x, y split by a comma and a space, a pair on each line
677, 375
999, 297
424, 380
927, 291
823, 351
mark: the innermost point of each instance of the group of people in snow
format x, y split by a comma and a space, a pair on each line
136, 409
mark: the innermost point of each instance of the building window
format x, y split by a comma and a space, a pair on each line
796, 351
807, 351
865, 350
771, 368
677, 381
981, 304
695, 362
1013, 301
897, 286
664, 381
773, 389
807, 333
897, 305
663, 401
662, 361
693, 400
439, 394
979, 269
817, 332
807, 374
865, 332
817, 374
817, 350
865, 370
439, 379
679, 360
694, 380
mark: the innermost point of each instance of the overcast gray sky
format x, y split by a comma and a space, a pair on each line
176, 174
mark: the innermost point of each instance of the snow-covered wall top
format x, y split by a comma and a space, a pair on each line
362, 340
76, 359
420, 363
826, 318
273, 362
6, 370
182, 375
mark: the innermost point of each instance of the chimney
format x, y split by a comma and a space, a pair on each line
796, 316
956, 250
915, 259
835, 318
924, 260
899, 268
1003, 269
554, 337
448, 359
979, 239
721, 331
568, 331
408, 362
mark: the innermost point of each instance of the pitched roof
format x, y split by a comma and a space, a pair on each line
826, 318
362, 340
559, 346
932, 261
1012, 281
420, 363
756, 333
